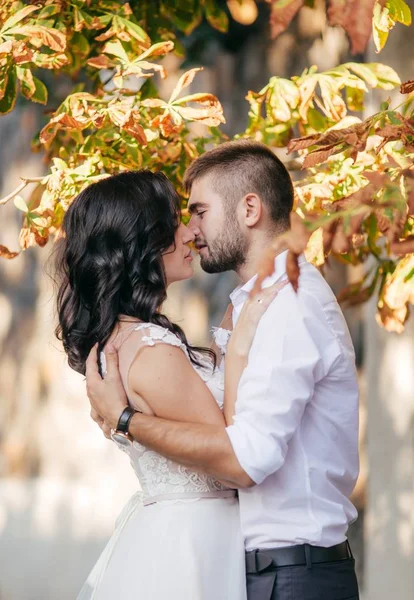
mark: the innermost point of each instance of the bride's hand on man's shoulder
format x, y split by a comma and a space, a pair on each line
253, 310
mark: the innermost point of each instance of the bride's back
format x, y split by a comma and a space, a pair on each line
162, 479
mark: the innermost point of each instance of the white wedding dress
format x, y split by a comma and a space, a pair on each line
180, 538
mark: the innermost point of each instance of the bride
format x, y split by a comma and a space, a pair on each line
123, 245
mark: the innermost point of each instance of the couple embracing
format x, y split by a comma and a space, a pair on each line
246, 452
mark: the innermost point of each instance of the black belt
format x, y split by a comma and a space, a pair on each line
289, 556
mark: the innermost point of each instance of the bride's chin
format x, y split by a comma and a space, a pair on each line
189, 272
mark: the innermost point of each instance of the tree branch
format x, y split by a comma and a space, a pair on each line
25, 182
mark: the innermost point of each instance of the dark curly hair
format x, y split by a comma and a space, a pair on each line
110, 261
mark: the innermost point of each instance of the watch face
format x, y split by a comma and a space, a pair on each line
122, 439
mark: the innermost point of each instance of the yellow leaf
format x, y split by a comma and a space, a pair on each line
20, 204
314, 249
212, 116
184, 81
159, 49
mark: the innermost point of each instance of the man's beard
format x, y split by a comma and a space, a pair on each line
227, 252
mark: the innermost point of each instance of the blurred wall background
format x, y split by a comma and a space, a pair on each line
62, 483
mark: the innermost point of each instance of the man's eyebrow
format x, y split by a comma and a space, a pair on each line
195, 206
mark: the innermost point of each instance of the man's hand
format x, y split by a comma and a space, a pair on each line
107, 396
101, 423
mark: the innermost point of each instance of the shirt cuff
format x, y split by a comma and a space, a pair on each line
258, 455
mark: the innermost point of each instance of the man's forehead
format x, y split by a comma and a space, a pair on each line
203, 192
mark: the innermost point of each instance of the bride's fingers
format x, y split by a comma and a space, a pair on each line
266, 295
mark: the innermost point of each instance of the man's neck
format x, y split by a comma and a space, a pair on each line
254, 257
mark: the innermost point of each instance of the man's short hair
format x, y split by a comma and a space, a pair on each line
242, 167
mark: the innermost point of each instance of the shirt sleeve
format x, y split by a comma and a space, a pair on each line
284, 365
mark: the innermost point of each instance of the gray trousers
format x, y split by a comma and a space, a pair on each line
324, 581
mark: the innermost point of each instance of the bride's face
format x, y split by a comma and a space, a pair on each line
178, 259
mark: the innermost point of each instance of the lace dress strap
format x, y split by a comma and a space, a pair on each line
157, 334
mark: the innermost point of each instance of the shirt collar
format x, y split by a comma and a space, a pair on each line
241, 293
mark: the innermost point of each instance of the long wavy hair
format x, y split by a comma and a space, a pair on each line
109, 262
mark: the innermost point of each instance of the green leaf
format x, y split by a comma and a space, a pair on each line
116, 49
20, 204
10, 91
186, 15
354, 98
80, 44
409, 276
399, 11
132, 28
216, 16
49, 11
316, 120
40, 95
27, 85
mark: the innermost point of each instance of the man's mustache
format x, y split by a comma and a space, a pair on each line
200, 244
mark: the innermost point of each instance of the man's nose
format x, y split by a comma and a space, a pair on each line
193, 226
188, 235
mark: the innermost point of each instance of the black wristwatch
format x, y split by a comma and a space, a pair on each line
121, 433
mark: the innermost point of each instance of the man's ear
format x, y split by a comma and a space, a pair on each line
252, 209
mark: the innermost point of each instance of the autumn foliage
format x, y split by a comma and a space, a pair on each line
355, 201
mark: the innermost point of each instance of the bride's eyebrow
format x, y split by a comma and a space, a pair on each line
195, 206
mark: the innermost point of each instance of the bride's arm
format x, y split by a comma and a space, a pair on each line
240, 343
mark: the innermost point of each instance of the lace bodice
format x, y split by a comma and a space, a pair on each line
162, 479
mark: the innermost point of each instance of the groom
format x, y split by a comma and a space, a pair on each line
293, 448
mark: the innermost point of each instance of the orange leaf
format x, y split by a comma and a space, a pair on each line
40, 35
100, 62
135, 129
22, 54
60, 121
107, 34
355, 16
407, 87
165, 123
29, 236
282, 13
6, 253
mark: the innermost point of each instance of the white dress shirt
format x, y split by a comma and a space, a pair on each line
295, 430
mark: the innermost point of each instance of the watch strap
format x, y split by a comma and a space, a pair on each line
125, 418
